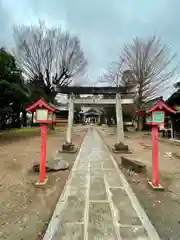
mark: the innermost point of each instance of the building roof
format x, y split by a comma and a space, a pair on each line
61, 107
93, 111
40, 103
174, 98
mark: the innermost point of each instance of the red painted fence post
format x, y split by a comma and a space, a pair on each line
155, 153
42, 175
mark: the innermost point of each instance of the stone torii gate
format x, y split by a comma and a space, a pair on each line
116, 99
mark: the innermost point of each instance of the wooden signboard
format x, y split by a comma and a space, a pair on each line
41, 115
158, 117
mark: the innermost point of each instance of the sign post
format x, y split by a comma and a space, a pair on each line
42, 175
43, 115
155, 117
155, 153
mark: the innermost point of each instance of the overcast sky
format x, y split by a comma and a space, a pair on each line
103, 26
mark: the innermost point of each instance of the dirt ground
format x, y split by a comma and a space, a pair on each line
24, 209
162, 207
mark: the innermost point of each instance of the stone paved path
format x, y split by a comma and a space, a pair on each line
97, 202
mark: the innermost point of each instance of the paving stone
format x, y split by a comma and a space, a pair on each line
95, 166
107, 164
82, 166
79, 192
79, 178
69, 231
113, 178
96, 173
97, 189
100, 222
125, 211
73, 211
133, 233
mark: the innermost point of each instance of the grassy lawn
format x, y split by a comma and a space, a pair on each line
19, 132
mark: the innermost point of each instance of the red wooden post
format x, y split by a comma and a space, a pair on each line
42, 175
43, 115
155, 117
155, 153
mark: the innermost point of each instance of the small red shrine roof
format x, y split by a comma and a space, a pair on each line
40, 104
160, 105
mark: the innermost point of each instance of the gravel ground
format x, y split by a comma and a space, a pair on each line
162, 207
25, 209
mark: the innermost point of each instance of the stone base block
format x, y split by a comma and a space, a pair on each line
41, 185
133, 165
68, 148
121, 148
156, 188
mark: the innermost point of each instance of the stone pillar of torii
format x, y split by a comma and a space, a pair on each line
119, 120
68, 146
70, 120
119, 146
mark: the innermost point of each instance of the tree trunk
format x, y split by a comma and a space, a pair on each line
2, 121
24, 118
52, 126
138, 123
18, 120
139, 106
13, 124
32, 119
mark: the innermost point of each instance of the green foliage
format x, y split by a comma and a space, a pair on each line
12, 88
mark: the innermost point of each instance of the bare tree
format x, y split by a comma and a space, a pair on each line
146, 66
118, 74
112, 74
49, 54
152, 66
